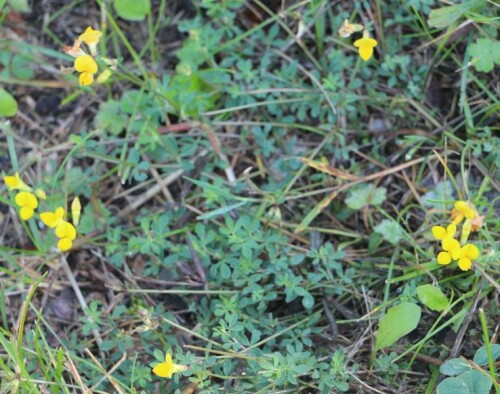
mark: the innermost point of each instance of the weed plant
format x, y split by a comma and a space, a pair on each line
249, 196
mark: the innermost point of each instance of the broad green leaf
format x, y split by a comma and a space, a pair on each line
454, 367
132, 10
8, 104
390, 231
452, 386
366, 194
485, 54
396, 323
445, 16
481, 356
432, 297
476, 382
19, 5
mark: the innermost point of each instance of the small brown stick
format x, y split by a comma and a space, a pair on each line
197, 262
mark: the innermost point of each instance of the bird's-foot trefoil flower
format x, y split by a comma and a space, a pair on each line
462, 210
28, 202
365, 46
441, 233
64, 230
14, 182
167, 368
91, 37
466, 255
87, 67
451, 251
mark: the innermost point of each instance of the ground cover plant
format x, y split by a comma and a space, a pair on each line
249, 196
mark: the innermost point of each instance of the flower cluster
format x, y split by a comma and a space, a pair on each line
365, 44
27, 201
85, 63
454, 250
167, 368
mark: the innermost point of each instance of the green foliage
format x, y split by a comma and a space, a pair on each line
390, 231
485, 54
396, 323
8, 104
445, 16
132, 10
432, 297
365, 195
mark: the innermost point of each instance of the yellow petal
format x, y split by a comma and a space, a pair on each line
64, 244
13, 182
461, 206
26, 213
66, 230
451, 245
444, 258
49, 219
438, 232
470, 213
451, 230
26, 199
365, 53
90, 36
471, 251
164, 370
85, 79
465, 263
85, 63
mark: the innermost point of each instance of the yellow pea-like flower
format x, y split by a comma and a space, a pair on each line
28, 202
76, 210
53, 219
365, 46
90, 36
168, 368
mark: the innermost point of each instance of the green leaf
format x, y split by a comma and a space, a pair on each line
364, 195
19, 5
111, 118
452, 386
396, 323
476, 382
390, 231
454, 367
221, 211
8, 104
485, 54
445, 16
432, 297
481, 356
132, 10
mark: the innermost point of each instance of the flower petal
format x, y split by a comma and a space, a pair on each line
90, 36
26, 199
85, 79
451, 230
438, 232
85, 63
444, 258
465, 263
64, 244
66, 230
26, 213
164, 370
469, 250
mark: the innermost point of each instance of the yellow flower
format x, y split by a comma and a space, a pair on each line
462, 210
441, 233
365, 45
76, 209
66, 233
53, 219
28, 203
15, 182
168, 368
90, 36
467, 253
451, 251
87, 66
